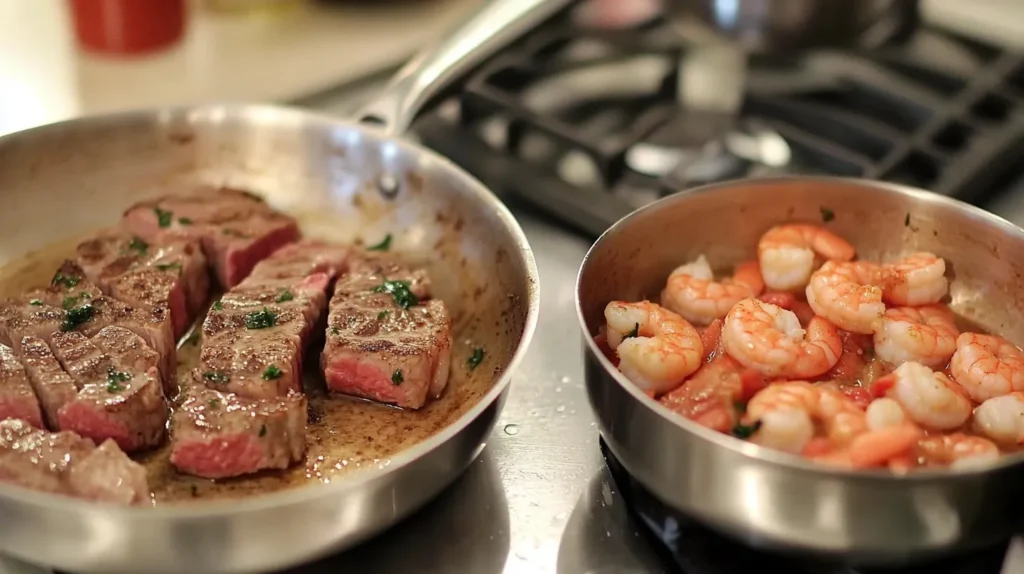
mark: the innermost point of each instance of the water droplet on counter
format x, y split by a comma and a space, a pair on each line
560, 516
566, 379
512, 429
560, 409
558, 389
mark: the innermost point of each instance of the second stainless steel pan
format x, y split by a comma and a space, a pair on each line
767, 497
343, 181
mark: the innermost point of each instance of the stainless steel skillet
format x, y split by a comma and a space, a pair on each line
345, 181
768, 498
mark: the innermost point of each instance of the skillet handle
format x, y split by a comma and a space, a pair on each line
495, 25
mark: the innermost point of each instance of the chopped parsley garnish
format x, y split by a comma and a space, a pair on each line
72, 300
263, 430
216, 377
272, 373
397, 378
476, 358
63, 280
77, 316
138, 245
218, 306
634, 333
262, 319
115, 378
169, 267
400, 291
214, 403
906, 220
746, 431
184, 221
740, 406
335, 331
35, 302
163, 217
381, 315
827, 214
285, 295
383, 245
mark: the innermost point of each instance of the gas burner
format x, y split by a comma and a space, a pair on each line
694, 549
590, 124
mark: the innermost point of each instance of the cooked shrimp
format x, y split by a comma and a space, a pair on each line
987, 366
957, 450
784, 415
846, 295
873, 448
930, 399
1002, 418
657, 349
786, 254
918, 279
925, 335
884, 413
769, 340
693, 293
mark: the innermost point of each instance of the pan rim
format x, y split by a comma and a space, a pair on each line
356, 480
750, 450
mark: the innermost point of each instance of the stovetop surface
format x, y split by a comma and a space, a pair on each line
587, 124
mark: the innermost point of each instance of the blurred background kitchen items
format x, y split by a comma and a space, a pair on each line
128, 26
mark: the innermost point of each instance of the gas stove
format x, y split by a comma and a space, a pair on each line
587, 124
693, 549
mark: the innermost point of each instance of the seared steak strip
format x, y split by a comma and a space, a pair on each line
255, 336
119, 396
237, 229
64, 463
386, 340
53, 387
17, 400
73, 304
170, 274
219, 435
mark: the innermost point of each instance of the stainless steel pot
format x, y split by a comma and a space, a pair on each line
765, 497
786, 25
342, 180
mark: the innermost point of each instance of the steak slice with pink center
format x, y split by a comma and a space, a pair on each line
119, 396
384, 341
171, 274
65, 463
54, 388
220, 435
17, 399
255, 336
74, 304
237, 229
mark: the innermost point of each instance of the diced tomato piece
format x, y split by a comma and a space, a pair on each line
859, 395
711, 336
880, 387
817, 447
779, 299
751, 382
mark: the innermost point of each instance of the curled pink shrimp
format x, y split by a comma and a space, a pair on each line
847, 295
693, 292
987, 366
657, 349
786, 254
770, 340
918, 279
925, 335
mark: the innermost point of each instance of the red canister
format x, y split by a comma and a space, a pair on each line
128, 26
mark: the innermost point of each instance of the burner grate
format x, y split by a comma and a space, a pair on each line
586, 123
